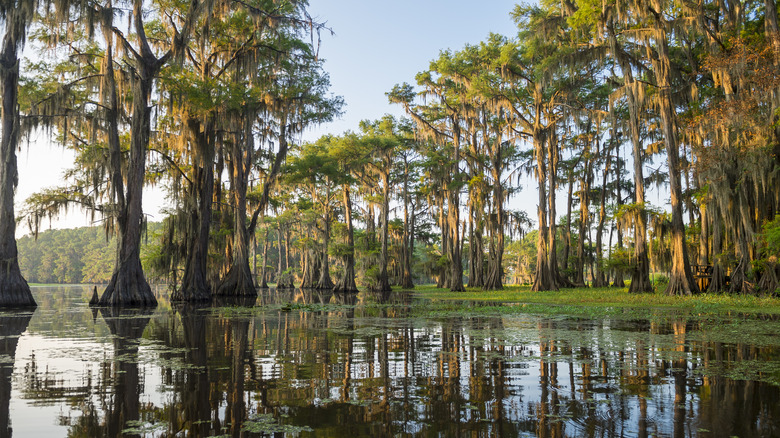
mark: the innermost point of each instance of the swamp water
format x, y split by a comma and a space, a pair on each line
304, 363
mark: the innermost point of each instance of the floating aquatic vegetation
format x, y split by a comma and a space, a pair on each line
140, 427
267, 424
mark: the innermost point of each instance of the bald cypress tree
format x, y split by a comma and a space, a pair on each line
15, 17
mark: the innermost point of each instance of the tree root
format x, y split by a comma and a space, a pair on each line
128, 288
14, 290
237, 282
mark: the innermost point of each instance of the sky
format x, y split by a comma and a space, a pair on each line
374, 45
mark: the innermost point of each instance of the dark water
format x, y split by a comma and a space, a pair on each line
380, 366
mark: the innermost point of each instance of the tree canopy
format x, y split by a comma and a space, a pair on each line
590, 105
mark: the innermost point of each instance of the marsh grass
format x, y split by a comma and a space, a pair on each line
610, 300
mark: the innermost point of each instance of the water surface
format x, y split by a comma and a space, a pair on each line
303, 363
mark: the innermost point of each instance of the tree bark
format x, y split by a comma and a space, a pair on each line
347, 282
718, 276
195, 284
553, 154
681, 281
264, 268
495, 277
543, 280
640, 275
585, 182
14, 291
238, 281
442, 280
128, 286
567, 233
284, 279
600, 280
325, 281
407, 251
618, 282
383, 284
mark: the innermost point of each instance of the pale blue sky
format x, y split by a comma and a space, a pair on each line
376, 45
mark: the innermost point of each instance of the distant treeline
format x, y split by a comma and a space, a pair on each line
78, 255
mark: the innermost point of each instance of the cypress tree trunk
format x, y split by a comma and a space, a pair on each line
383, 284
543, 279
681, 281
283, 278
718, 276
442, 281
14, 291
308, 267
552, 255
453, 217
567, 233
495, 275
600, 280
263, 279
407, 251
579, 278
347, 282
640, 276
473, 275
128, 286
238, 281
325, 282
195, 284
618, 282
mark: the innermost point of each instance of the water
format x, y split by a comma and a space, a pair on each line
329, 365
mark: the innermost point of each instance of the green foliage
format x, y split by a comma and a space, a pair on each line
770, 236
74, 256
620, 259
660, 282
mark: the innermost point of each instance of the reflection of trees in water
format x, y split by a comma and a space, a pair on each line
737, 407
458, 376
206, 362
379, 374
12, 325
648, 386
191, 384
347, 367
127, 326
118, 386
343, 375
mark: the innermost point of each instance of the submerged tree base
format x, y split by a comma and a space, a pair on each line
238, 282
285, 282
194, 289
128, 288
191, 295
14, 290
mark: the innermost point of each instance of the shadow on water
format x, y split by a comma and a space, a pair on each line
12, 325
369, 365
